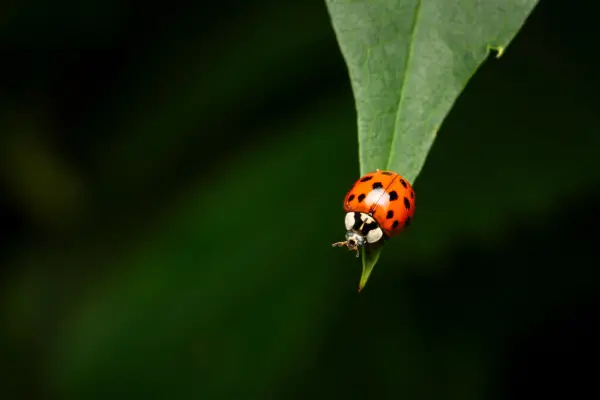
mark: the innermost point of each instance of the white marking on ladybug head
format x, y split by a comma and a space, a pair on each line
349, 220
355, 237
374, 235
366, 218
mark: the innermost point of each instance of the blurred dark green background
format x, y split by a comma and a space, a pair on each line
171, 183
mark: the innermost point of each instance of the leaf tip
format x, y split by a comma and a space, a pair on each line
363, 278
369, 259
361, 286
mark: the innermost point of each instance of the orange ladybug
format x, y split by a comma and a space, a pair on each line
379, 205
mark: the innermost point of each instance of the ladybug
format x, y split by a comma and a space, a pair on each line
379, 205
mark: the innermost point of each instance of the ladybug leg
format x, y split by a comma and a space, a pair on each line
345, 244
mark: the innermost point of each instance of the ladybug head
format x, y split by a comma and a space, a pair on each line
353, 241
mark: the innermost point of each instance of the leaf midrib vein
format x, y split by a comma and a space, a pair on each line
404, 75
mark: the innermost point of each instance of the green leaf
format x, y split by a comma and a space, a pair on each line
370, 256
408, 62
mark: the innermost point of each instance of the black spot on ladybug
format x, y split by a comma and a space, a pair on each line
386, 173
407, 222
412, 194
366, 179
393, 196
407, 203
403, 183
377, 185
361, 197
390, 215
395, 224
351, 197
